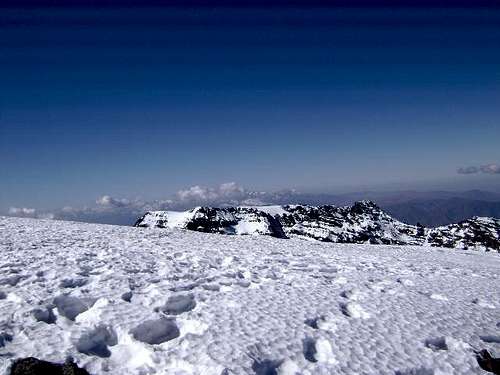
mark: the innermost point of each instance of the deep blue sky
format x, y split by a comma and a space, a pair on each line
144, 101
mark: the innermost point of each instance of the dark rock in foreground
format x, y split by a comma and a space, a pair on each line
487, 362
33, 366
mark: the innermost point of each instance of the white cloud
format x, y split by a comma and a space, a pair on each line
113, 210
486, 168
22, 211
108, 201
490, 168
467, 170
195, 193
29, 212
227, 192
231, 188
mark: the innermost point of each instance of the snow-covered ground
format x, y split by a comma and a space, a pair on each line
123, 300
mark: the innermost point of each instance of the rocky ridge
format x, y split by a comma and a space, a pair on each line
363, 222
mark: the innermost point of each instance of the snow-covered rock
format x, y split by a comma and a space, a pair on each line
232, 220
364, 222
478, 233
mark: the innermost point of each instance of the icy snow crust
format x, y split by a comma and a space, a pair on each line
124, 300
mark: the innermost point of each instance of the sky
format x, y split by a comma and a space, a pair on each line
129, 101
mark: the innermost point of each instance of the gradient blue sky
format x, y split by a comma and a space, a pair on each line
132, 101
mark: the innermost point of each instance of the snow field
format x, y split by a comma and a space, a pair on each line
123, 300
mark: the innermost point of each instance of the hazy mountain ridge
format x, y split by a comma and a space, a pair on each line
437, 212
429, 208
363, 222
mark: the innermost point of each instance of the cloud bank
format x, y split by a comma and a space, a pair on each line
487, 169
29, 212
121, 211
112, 210
227, 194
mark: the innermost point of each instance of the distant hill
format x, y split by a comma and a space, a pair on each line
430, 208
435, 212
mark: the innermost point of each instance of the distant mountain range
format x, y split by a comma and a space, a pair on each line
435, 212
431, 208
363, 222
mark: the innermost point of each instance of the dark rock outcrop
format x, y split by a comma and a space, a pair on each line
34, 366
487, 362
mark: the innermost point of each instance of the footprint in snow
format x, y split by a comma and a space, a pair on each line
5, 338
491, 339
416, 371
262, 364
351, 294
184, 288
45, 315
179, 304
96, 341
483, 303
211, 287
73, 283
405, 282
70, 307
156, 332
319, 350
354, 310
313, 322
328, 272
127, 296
243, 283
266, 366
11, 280
438, 297
309, 349
438, 343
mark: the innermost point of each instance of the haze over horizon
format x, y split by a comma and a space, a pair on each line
128, 102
